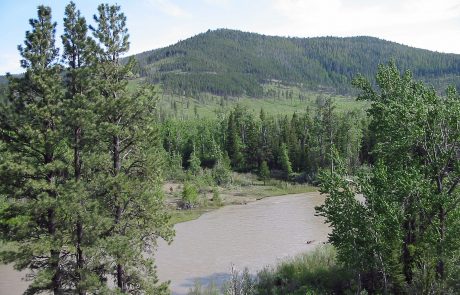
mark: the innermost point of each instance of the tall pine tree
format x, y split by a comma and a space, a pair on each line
129, 185
83, 209
33, 169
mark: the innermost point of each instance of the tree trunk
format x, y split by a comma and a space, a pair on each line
54, 254
409, 240
77, 153
116, 169
79, 225
80, 257
120, 278
442, 232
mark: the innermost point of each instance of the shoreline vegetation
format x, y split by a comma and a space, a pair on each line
308, 273
87, 138
245, 188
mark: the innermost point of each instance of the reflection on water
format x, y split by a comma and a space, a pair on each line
252, 235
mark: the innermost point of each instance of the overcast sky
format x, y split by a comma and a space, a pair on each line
428, 24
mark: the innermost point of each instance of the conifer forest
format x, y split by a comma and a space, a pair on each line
104, 155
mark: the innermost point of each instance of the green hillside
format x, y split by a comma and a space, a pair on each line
234, 63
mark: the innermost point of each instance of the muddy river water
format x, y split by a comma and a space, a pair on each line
254, 235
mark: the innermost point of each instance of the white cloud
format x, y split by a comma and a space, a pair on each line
162, 38
217, 2
169, 8
423, 23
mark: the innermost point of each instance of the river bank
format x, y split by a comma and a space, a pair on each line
245, 188
254, 235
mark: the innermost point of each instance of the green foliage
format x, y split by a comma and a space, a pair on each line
284, 161
397, 225
264, 171
216, 198
230, 63
129, 184
240, 283
34, 155
81, 162
174, 164
189, 196
79, 82
234, 144
317, 272
249, 140
222, 172
194, 164
198, 289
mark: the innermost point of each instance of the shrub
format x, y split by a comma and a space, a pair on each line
222, 172
239, 283
198, 289
216, 196
189, 196
264, 172
315, 272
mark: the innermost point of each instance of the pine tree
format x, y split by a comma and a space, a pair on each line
252, 150
264, 171
130, 185
265, 150
78, 55
222, 172
284, 161
194, 163
234, 146
329, 122
32, 173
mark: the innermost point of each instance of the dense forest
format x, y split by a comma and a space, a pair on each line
85, 145
301, 141
234, 63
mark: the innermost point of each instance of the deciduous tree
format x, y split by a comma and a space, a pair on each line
398, 225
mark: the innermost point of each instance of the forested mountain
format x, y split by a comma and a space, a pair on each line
229, 62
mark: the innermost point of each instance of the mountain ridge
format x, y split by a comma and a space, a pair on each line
235, 63
232, 62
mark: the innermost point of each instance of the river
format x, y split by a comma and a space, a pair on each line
254, 235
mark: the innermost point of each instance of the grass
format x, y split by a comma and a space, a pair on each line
206, 105
315, 272
7, 248
248, 185
262, 191
178, 216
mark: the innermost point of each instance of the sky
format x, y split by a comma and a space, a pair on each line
428, 24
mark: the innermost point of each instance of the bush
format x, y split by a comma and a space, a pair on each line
216, 197
315, 272
194, 167
222, 173
174, 164
189, 196
239, 283
264, 172
198, 289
